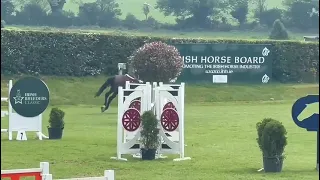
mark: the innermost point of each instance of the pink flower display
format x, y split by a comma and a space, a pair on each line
156, 62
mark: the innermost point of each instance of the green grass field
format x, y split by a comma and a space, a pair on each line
219, 132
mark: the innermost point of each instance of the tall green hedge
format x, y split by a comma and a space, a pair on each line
75, 54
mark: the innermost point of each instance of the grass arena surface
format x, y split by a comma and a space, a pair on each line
220, 135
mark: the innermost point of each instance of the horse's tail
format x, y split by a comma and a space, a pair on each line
108, 82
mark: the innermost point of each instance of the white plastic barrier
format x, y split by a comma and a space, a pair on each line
171, 132
156, 99
20, 124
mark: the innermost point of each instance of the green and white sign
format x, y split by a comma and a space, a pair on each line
29, 97
226, 63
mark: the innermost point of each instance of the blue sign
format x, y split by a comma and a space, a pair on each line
312, 122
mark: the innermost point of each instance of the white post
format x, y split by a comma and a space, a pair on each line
109, 174
47, 177
120, 133
119, 130
127, 85
121, 66
10, 110
45, 167
181, 131
153, 98
148, 96
181, 125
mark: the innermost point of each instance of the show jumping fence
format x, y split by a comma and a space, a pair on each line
42, 173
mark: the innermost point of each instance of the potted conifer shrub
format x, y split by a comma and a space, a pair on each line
56, 123
149, 136
272, 141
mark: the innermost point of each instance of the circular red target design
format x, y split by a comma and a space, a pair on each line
169, 105
131, 120
169, 119
136, 104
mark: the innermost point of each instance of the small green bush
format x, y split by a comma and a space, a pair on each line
271, 137
56, 119
260, 127
131, 22
149, 131
279, 32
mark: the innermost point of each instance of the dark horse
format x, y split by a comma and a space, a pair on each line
114, 82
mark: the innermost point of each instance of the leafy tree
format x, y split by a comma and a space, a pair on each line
131, 22
152, 23
146, 9
88, 14
240, 11
200, 11
298, 13
56, 6
269, 16
278, 31
7, 8
260, 8
61, 19
31, 14
43, 4
102, 12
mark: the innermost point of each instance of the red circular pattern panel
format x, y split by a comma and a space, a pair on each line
169, 105
136, 104
169, 119
131, 120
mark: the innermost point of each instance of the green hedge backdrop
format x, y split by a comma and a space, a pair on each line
83, 54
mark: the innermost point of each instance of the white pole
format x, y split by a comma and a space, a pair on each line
121, 67
10, 111
181, 130
119, 131
109, 174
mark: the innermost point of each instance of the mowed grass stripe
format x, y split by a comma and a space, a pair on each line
75, 91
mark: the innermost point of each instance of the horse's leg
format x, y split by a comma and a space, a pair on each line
109, 82
111, 98
103, 108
